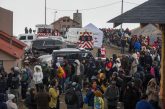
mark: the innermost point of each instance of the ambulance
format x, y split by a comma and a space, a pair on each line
83, 38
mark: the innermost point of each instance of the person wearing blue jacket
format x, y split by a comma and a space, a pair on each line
137, 46
143, 103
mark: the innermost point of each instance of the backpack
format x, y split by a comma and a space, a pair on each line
80, 98
14, 82
71, 97
97, 103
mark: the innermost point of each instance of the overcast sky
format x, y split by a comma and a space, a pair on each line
28, 13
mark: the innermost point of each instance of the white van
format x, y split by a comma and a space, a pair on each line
27, 38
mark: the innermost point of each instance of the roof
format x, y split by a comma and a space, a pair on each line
11, 45
13, 39
152, 11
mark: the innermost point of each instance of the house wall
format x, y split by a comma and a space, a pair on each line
9, 61
6, 21
64, 23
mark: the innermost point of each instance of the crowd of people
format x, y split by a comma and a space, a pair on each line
131, 79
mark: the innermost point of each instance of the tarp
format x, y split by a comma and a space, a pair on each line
149, 30
97, 35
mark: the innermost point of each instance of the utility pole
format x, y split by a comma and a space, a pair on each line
122, 5
55, 15
45, 12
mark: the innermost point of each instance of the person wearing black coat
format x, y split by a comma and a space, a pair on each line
129, 97
30, 101
3, 105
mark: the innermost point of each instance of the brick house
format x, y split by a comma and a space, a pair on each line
65, 22
11, 51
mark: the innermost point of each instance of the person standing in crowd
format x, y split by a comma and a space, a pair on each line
24, 83
10, 103
134, 64
129, 97
73, 96
103, 52
98, 100
46, 74
30, 101
13, 82
38, 76
3, 82
153, 93
89, 99
54, 93
112, 95
137, 46
143, 103
148, 59
42, 98
123, 44
30, 73
2, 102
79, 69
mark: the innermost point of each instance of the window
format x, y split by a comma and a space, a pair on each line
30, 37
68, 20
1, 63
73, 25
49, 43
38, 43
58, 42
22, 38
64, 20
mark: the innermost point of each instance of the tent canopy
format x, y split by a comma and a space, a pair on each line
97, 34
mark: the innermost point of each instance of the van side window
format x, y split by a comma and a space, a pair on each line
30, 37
22, 38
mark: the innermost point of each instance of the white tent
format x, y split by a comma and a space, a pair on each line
97, 34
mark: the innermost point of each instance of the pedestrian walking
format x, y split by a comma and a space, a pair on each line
38, 76
42, 98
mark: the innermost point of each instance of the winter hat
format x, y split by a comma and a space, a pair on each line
93, 78
134, 56
11, 96
98, 93
77, 62
58, 64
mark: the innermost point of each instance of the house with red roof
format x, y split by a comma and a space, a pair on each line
11, 51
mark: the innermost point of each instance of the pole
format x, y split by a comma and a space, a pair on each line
45, 12
55, 16
122, 13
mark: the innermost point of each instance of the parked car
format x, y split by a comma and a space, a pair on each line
71, 54
46, 46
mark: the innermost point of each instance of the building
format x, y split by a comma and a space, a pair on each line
78, 17
11, 51
6, 21
65, 22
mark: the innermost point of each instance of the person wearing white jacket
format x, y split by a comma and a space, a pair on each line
10, 103
38, 76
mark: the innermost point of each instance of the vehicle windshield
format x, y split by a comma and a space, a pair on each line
22, 38
85, 38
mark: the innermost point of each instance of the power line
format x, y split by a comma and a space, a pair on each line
87, 9
131, 3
